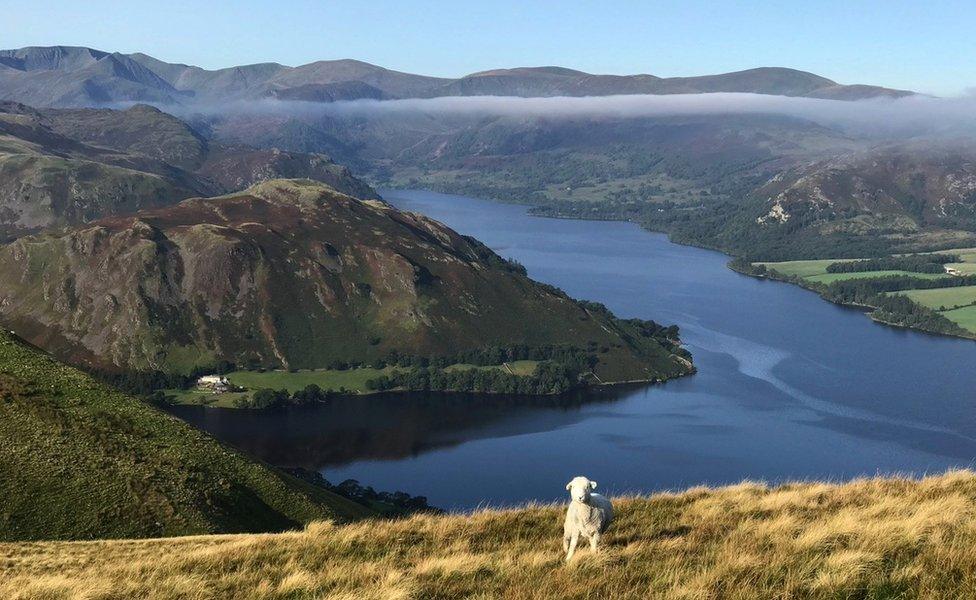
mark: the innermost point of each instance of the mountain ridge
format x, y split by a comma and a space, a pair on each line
84, 76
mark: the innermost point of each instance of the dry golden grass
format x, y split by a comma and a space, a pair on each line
878, 538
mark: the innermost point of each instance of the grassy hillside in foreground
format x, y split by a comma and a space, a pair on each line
79, 460
879, 538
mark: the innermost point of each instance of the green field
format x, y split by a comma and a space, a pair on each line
964, 317
966, 268
800, 268
942, 297
829, 278
955, 300
351, 381
816, 271
967, 256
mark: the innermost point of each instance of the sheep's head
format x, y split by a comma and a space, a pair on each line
580, 488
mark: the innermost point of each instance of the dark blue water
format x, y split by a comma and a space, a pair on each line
789, 386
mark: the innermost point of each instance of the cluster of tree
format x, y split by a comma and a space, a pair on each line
391, 504
141, 383
487, 356
493, 355
267, 399
867, 291
644, 327
549, 378
900, 310
667, 336
653, 329
915, 263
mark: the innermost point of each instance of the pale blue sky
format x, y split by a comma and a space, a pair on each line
924, 46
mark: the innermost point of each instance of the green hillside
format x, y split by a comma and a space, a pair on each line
79, 460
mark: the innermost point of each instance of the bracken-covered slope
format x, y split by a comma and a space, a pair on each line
910, 194
899, 197
79, 460
291, 273
870, 539
65, 167
48, 179
147, 131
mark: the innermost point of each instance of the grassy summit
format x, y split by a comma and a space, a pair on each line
80, 460
879, 538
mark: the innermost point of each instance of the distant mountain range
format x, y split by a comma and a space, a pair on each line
78, 76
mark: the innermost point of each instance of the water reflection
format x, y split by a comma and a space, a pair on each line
388, 426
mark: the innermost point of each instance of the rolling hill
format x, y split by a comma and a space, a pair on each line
79, 460
293, 274
557, 81
78, 76
64, 167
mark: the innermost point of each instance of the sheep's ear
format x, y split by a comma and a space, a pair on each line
569, 485
592, 485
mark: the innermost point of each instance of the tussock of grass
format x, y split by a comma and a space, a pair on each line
878, 538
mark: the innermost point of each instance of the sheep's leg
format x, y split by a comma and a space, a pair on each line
594, 540
572, 546
565, 543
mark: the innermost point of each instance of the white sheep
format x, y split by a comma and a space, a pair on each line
588, 515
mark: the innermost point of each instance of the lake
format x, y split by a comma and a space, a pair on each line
789, 386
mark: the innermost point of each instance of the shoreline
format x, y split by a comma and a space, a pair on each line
602, 386
868, 310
